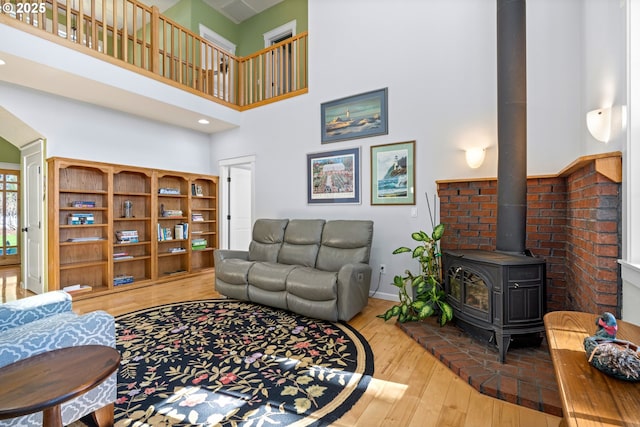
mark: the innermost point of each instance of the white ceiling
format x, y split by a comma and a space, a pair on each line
236, 10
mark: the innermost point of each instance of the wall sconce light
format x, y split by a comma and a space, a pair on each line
474, 157
605, 123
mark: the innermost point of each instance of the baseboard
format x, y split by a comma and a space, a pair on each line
385, 296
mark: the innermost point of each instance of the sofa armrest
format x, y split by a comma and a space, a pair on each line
222, 254
353, 289
26, 310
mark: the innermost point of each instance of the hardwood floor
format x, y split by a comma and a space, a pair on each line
10, 284
409, 387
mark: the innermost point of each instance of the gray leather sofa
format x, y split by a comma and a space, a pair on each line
313, 267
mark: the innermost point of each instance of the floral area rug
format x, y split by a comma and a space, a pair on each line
231, 363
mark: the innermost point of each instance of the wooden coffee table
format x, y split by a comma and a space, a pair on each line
46, 380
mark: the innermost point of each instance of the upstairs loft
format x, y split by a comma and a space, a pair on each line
143, 44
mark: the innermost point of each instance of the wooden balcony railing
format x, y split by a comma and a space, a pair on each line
140, 37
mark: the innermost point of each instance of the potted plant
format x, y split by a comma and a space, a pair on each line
422, 294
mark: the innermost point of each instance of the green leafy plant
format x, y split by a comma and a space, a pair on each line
422, 295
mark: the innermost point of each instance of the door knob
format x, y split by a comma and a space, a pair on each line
25, 229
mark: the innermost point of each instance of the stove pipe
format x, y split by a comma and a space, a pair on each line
512, 126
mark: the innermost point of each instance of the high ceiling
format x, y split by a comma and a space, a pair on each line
20, 71
236, 10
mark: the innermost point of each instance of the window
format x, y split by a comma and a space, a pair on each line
9, 214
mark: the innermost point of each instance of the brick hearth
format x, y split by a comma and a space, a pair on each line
526, 379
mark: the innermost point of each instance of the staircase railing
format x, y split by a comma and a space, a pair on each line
139, 36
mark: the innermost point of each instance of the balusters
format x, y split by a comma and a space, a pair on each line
142, 37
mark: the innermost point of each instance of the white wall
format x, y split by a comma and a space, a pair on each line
604, 65
439, 63
84, 131
554, 84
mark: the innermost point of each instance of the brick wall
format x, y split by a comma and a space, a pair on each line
593, 242
572, 222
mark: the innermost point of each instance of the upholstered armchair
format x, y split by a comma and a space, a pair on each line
46, 322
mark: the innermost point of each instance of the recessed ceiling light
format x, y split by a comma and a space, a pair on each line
2, 62
203, 121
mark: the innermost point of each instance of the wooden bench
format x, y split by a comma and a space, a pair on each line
589, 397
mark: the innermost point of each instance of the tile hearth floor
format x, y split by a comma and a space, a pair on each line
526, 378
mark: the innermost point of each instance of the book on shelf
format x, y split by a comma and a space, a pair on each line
118, 258
164, 233
82, 204
196, 217
196, 190
176, 250
84, 239
198, 243
169, 190
80, 218
122, 279
166, 213
172, 213
127, 236
180, 231
77, 289
127, 240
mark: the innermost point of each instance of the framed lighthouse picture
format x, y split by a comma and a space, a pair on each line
393, 174
356, 116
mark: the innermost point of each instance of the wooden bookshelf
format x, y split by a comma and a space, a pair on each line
132, 258
204, 222
95, 241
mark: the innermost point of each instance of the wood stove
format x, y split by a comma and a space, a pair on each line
501, 294
496, 296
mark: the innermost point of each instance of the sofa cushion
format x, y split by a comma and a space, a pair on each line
312, 284
344, 242
269, 276
268, 235
301, 242
233, 271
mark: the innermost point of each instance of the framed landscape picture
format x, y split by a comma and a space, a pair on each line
355, 116
393, 174
334, 177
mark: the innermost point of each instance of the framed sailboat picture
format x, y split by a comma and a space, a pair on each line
356, 116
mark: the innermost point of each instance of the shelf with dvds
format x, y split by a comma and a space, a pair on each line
115, 227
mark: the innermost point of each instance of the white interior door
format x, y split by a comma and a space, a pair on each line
240, 207
237, 202
33, 216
